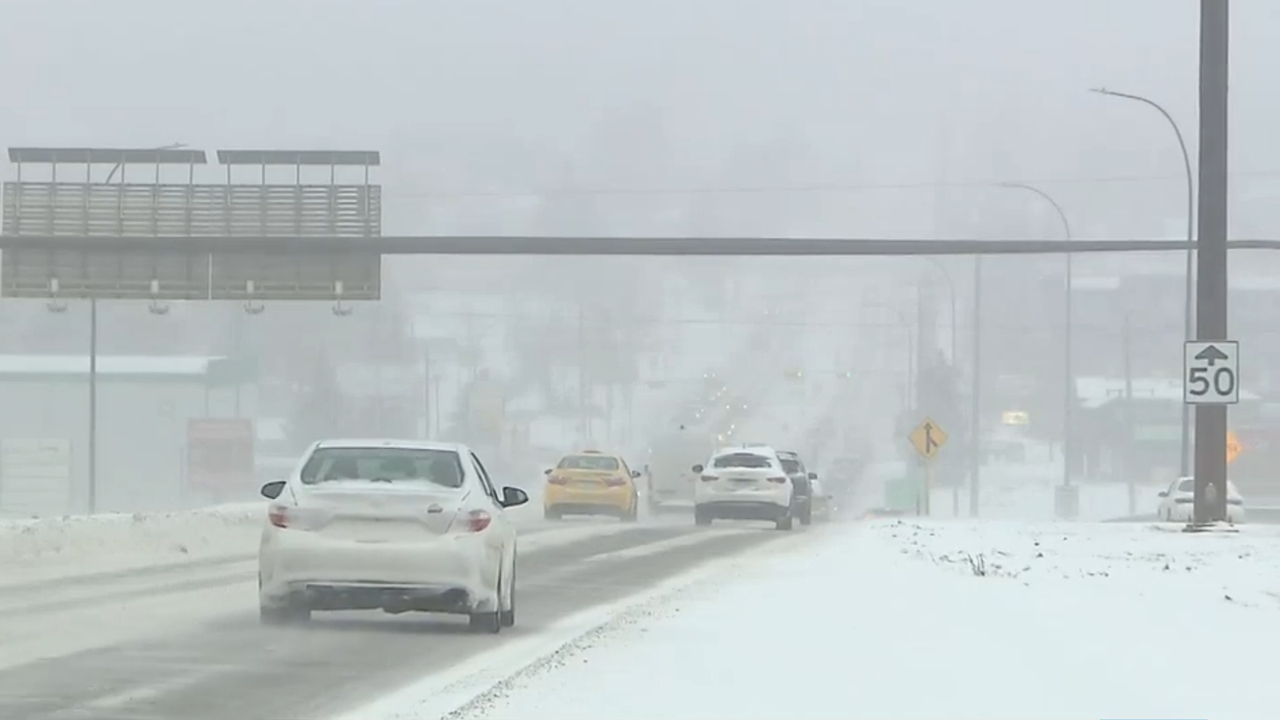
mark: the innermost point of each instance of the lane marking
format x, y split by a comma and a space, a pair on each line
569, 535
143, 693
658, 547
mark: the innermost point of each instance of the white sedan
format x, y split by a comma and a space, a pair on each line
1177, 501
395, 525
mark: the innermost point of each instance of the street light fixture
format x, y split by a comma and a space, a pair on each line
1190, 310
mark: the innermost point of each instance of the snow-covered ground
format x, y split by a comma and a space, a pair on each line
902, 619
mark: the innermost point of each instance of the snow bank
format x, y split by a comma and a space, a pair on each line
1019, 491
51, 547
995, 621
1032, 502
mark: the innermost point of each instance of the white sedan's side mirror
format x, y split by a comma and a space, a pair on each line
272, 490
513, 497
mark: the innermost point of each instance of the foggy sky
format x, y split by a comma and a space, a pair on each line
883, 92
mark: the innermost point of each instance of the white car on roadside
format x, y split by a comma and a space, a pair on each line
391, 525
743, 483
1178, 500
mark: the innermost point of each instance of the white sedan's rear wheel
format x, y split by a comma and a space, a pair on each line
507, 618
489, 621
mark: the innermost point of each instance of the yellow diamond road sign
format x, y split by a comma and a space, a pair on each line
928, 438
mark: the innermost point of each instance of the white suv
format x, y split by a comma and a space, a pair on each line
743, 483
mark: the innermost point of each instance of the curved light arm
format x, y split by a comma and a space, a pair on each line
1066, 226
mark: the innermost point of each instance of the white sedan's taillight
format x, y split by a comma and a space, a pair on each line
474, 521
279, 516
291, 517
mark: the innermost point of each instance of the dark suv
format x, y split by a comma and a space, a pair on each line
802, 498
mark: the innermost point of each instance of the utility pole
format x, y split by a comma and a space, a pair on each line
1211, 252
1127, 460
427, 430
583, 418
975, 403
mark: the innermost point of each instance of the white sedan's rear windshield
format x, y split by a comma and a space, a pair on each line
741, 460
384, 464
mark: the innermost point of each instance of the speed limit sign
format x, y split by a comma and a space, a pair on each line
1211, 372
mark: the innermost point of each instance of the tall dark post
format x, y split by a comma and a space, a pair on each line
427, 430
975, 403
1211, 267
1127, 460
93, 407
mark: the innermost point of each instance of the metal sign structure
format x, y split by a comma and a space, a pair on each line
254, 272
1211, 372
70, 204
63, 233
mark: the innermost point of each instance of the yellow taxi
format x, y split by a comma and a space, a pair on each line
591, 483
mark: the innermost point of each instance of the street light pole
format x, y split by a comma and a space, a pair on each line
92, 450
975, 402
1068, 401
951, 288
1189, 312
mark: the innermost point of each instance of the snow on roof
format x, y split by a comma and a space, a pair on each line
399, 443
107, 364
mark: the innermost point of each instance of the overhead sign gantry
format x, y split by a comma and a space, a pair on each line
69, 236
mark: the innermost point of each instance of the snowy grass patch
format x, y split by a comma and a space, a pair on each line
1137, 560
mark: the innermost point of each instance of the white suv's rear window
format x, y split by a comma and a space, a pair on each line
742, 460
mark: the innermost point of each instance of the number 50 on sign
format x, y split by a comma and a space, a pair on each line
1211, 372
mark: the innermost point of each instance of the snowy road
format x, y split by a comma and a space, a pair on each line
185, 642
